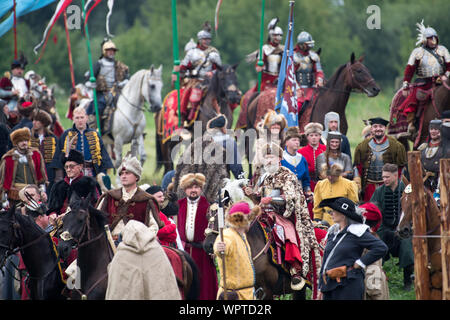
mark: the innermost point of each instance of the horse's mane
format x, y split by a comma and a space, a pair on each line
98, 215
333, 79
27, 221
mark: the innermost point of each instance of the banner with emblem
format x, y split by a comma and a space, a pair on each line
286, 98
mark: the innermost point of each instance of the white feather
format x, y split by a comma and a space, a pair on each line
421, 36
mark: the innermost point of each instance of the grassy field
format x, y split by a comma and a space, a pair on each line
359, 108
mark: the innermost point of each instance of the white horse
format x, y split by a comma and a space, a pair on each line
233, 192
129, 120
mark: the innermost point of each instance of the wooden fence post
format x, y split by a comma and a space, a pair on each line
419, 242
445, 224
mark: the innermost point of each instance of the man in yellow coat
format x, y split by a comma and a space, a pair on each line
333, 186
240, 273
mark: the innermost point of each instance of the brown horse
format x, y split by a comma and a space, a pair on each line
433, 221
85, 226
270, 280
222, 92
334, 96
437, 102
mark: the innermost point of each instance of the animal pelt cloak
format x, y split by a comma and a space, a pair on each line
193, 161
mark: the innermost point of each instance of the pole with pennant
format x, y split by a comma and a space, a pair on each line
176, 58
261, 40
69, 50
221, 224
91, 68
15, 30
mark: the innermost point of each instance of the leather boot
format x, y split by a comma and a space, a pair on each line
410, 118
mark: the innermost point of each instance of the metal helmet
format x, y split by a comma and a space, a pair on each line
108, 45
274, 30
430, 32
205, 33
305, 37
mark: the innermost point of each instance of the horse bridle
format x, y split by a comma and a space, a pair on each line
141, 96
361, 85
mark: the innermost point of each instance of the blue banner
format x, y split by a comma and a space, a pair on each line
286, 98
23, 7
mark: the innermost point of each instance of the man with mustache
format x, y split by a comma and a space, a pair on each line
191, 224
373, 153
292, 220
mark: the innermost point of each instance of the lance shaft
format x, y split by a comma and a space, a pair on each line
176, 58
261, 39
91, 68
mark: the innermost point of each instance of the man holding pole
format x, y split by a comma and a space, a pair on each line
233, 251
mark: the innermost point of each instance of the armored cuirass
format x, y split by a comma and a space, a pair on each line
430, 65
20, 85
305, 72
108, 72
430, 158
374, 172
273, 59
202, 60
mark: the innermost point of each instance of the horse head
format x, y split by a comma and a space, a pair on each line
359, 77
404, 228
9, 234
151, 89
77, 224
225, 83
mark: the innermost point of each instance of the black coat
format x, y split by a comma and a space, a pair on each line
348, 251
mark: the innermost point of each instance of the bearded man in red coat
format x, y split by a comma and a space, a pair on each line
192, 223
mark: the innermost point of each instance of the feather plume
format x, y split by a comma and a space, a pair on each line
207, 26
421, 36
272, 23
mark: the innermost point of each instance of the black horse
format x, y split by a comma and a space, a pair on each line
86, 226
19, 233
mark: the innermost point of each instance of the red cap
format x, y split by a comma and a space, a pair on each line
371, 212
27, 104
241, 207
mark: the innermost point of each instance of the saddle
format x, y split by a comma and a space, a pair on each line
179, 266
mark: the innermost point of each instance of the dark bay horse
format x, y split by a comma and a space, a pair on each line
269, 279
19, 233
85, 224
223, 91
353, 75
433, 227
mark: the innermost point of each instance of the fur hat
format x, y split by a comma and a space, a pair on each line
271, 148
272, 118
219, 121
335, 170
292, 132
19, 135
190, 179
240, 214
43, 116
313, 127
75, 156
343, 205
131, 164
26, 108
154, 189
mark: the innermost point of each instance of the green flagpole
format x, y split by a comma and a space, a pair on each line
91, 68
261, 40
176, 58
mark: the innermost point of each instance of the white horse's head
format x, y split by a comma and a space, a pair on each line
37, 84
233, 190
151, 89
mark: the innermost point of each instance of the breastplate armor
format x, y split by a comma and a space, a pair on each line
20, 85
376, 162
429, 66
201, 60
108, 72
305, 72
430, 158
273, 59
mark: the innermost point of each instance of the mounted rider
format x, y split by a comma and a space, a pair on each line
308, 70
272, 54
111, 76
13, 86
431, 64
197, 69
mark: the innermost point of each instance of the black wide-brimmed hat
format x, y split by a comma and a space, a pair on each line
343, 205
379, 120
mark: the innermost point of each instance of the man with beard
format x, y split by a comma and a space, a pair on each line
20, 166
129, 202
192, 223
373, 153
271, 185
44, 140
